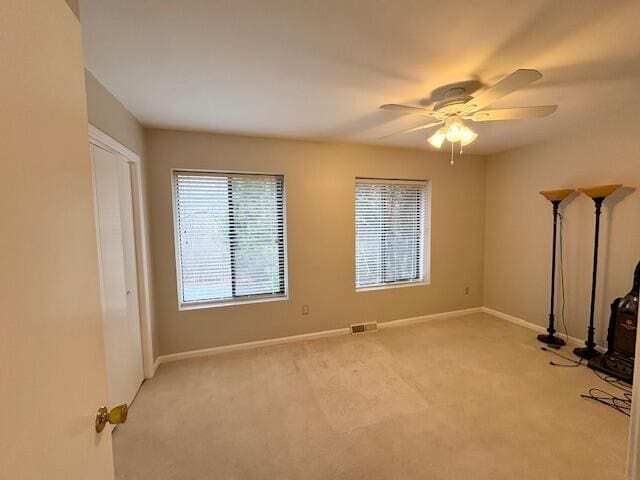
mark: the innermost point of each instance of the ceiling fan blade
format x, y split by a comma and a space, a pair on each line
513, 113
415, 129
408, 109
518, 79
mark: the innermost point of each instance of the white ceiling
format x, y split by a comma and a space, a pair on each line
319, 69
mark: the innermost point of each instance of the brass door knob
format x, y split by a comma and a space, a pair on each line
116, 416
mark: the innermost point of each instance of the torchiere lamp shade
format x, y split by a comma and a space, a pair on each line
557, 195
601, 191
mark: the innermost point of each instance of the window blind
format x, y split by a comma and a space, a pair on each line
230, 236
390, 231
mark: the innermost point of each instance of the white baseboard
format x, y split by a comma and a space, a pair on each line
248, 345
512, 319
535, 327
172, 357
424, 318
154, 369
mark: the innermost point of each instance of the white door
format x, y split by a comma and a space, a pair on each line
116, 248
52, 363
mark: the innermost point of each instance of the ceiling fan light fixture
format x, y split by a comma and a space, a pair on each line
468, 136
437, 138
455, 130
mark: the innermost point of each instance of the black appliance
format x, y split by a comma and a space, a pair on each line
621, 338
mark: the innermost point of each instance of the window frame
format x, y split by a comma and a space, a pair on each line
425, 240
244, 300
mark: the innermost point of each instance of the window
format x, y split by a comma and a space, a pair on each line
230, 237
392, 224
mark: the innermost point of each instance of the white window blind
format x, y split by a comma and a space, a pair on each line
391, 231
230, 236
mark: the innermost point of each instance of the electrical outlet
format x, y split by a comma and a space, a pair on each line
466, 290
305, 309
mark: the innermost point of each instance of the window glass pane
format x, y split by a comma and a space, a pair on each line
203, 225
230, 236
258, 230
403, 233
369, 226
390, 232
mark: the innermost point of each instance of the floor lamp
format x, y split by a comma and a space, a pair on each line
555, 197
597, 194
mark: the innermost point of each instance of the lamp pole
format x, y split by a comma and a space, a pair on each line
555, 197
597, 194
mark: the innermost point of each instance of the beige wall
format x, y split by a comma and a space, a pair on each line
519, 222
108, 115
320, 221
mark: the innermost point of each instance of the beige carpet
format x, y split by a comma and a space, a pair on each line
468, 398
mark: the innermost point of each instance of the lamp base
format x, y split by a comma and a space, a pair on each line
586, 352
550, 339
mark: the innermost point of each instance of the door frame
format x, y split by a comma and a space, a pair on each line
104, 141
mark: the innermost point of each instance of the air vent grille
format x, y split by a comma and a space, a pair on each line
364, 327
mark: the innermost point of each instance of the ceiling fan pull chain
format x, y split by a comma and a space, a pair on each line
452, 153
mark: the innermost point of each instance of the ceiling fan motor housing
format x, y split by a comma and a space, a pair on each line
452, 105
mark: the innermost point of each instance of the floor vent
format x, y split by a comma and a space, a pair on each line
364, 327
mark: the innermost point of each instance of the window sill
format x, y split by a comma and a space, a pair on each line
392, 285
231, 303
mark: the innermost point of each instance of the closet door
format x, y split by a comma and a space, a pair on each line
116, 247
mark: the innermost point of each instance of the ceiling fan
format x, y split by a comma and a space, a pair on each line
458, 106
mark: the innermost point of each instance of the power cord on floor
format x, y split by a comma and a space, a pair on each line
621, 404
614, 382
574, 363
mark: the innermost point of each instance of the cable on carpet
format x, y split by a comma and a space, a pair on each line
621, 404
614, 382
574, 363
